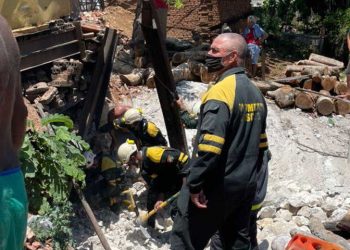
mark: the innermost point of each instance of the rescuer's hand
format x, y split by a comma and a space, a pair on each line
199, 200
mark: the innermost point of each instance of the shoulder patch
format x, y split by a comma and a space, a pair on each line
152, 129
155, 154
224, 91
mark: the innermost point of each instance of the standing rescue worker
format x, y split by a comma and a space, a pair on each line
221, 184
13, 114
147, 132
161, 168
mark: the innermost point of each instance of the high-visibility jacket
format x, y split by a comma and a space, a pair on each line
231, 135
162, 166
149, 134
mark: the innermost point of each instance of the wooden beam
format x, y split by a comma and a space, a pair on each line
165, 85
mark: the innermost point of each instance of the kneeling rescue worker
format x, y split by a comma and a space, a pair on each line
147, 132
161, 168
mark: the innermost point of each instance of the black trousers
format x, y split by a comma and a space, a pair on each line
227, 214
216, 242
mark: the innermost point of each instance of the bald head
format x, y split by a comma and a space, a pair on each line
233, 41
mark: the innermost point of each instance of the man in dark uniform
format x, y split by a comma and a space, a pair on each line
221, 183
161, 168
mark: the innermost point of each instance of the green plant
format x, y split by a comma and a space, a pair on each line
50, 162
176, 3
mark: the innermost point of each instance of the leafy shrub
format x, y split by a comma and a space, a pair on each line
50, 162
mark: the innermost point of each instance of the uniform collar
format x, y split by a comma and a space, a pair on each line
231, 71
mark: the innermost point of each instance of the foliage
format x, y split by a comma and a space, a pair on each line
337, 25
55, 225
308, 17
50, 162
176, 3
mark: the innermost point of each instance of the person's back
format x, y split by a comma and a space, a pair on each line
13, 200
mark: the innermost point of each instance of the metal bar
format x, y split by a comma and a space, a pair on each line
29, 46
48, 55
164, 78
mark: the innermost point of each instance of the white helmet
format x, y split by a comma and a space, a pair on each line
196, 108
132, 115
126, 150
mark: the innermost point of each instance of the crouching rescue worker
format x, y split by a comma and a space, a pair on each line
161, 167
147, 132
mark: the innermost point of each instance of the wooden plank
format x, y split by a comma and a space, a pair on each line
165, 85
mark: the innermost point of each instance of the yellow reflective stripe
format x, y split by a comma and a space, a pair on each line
263, 145
183, 158
223, 91
107, 163
155, 154
153, 176
256, 207
214, 138
263, 136
209, 148
152, 129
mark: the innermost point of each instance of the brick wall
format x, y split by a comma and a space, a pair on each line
200, 15
203, 16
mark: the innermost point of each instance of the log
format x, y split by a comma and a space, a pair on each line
324, 105
284, 96
207, 77
195, 67
325, 60
344, 223
265, 86
304, 101
340, 88
341, 107
150, 82
293, 80
310, 69
308, 84
316, 77
319, 231
328, 82
181, 57
309, 62
183, 72
134, 78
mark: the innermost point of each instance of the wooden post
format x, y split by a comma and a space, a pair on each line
164, 80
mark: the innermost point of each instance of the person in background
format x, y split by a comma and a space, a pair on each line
189, 118
254, 36
13, 114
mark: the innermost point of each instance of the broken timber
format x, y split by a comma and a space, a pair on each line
164, 80
100, 80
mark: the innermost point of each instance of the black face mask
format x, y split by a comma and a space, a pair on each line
213, 63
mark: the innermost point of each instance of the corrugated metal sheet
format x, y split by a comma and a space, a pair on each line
27, 13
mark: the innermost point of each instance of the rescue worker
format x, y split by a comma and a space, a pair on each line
221, 183
13, 113
189, 119
161, 168
262, 180
146, 132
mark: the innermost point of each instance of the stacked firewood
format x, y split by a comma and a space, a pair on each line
186, 58
313, 84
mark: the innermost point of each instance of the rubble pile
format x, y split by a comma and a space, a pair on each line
60, 90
